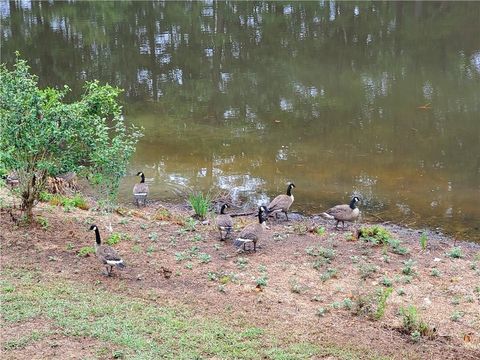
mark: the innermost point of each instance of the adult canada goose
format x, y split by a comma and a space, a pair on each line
252, 232
106, 254
140, 190
343, 212
282, 202
224, 222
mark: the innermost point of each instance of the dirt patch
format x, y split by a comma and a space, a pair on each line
285, 287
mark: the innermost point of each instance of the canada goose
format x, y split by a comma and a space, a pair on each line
224, 222
106, 254
140, 190
282, 202
252, 232
343, 212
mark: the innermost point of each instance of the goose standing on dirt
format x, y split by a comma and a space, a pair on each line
106, 254
224, 222
251, 233
140, 190
282, 202
343, 212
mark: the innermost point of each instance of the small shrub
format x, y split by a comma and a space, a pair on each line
204, 258
387, 282
242, 263
456, 315
322, 312
153, 236
366, 270
401, 292
382, 297
300, 228
378, 235
320, 230
455, 253
86, 251
330, 273
262, 281
200, 203
43, 222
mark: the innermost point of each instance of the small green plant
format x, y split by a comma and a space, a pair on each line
153, 236
262, 281
204, 258
322, 312
382, 297
295, 287
347, 304
455, 253
413, 323
150, 250
330, 273
387, 282
455, 300
200, 203
241, 263
86, 251
43, 222
190, 224
408, 268
114, 239
143, 226
456, 315
124, 221
212, 276
415, 336
197, 238
181, 256
69, 246
320, 230
400, 291
366, 270
435, 272
423, 240
189, 266
136, 249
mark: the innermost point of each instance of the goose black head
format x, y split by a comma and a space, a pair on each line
93, 227
289, 188
140, 173
142, 176
222, 210
354, 201
262, 214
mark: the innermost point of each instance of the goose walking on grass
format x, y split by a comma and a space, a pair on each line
252, 232
343, 212
224, 223
282, 202
140, 190
106, 254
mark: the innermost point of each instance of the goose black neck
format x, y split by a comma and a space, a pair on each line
97, 236
222, 210
352, 204
289, 190
260, 217
143, 179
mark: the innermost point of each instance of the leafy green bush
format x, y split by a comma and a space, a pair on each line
86, 250
200, 203
42, 136
455, 253
378, 235
114, 239
413, 323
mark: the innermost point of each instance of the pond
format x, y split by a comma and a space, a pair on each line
381, 100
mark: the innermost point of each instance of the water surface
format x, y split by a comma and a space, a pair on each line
376, 99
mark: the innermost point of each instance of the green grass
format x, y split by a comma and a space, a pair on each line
139, 329
77, 201
455, 253
200, 203
423, 240
378, 235
86, 250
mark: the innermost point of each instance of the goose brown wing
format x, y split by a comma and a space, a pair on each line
108, 254
224, 221
339, 211
140, 188
250, 232
279, 203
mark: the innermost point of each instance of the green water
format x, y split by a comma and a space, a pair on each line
376, 99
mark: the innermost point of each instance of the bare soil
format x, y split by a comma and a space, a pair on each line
298, 303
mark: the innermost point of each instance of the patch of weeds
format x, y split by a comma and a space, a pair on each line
435, 272
408, 268
347, 304
400, 291
387, 282
212, 276
181, 256
330, 273
397, 248
378, 235
153, 236
114, 239
124, 221
221, 288
372, 306
415, 336
69, 246
216, 247
386, 258
150, 250
200, 203
367, 270
323, 255
355, 259
322, 312
143, 226
162, 214
136, 249
43, 222
469, 299
196, 238
407, 279
190, 224
411, 322
24, 341
320, 230
262, 281
204, 258
295, 287
455, 300
189, 266
423, 240
86, 251
68, 203
455, 253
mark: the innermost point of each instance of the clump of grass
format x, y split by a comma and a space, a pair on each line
204, 258
456, 315
455, 253
320, 230
322, 312
241, 263
423, 240
330, 273
86, 251
412, 323
435, 272
323, 255
114, 239
387, 282
44, 223
200, 203
77, 201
